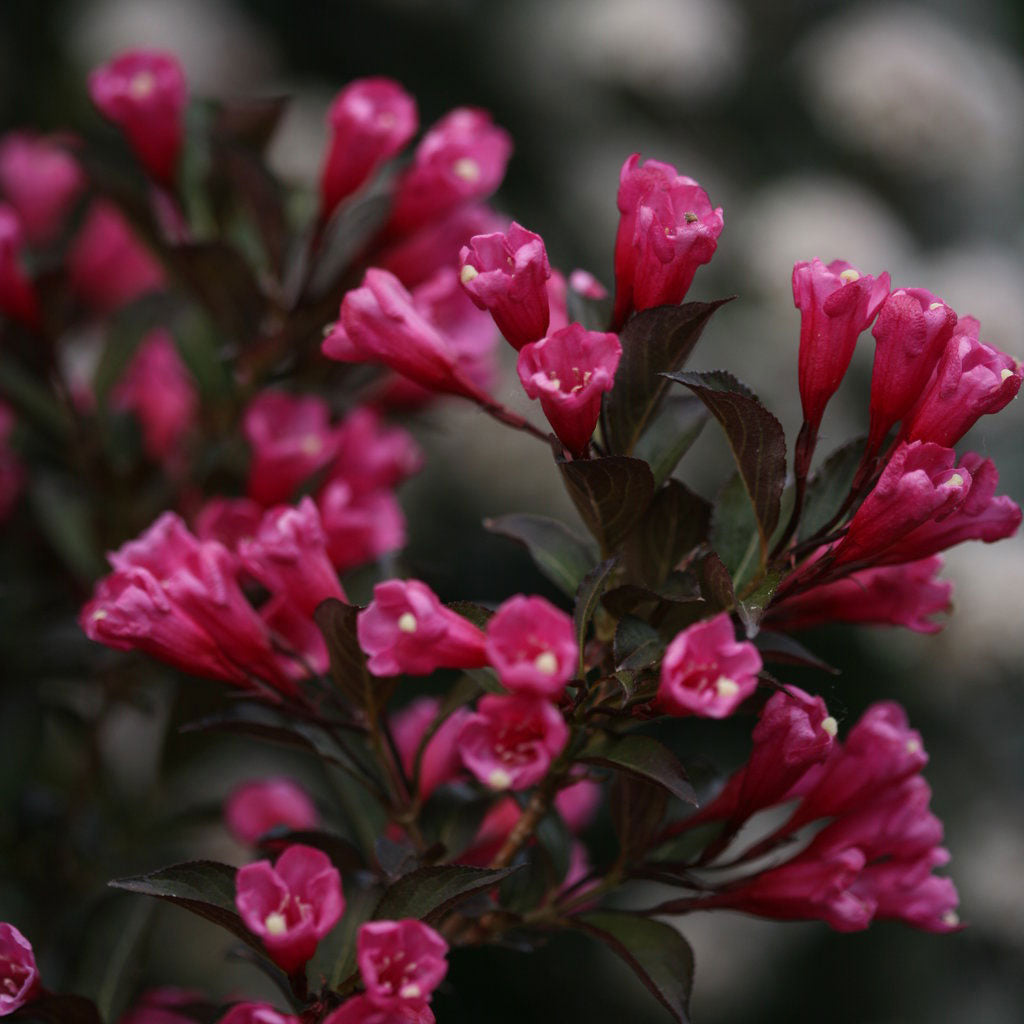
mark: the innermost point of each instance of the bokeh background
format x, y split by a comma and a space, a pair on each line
888, 134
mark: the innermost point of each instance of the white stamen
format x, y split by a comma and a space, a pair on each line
499, 779
468, 273
936, 305
99, 614
311, 445
726, 687
546, 662
142, 85
407, 622
410, 991
848, 276
951, 918
466, 169
956, 480
913, 746
275, 924
1005, 373
830, 725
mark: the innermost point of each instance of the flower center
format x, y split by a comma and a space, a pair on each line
275, 923
546, 662
407, 622
830, 725
142, 85
466, 169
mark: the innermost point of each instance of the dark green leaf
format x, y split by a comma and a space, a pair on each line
611, 495
587, 598
782, 648
716, 583
673, 430
472, 612
337, 623
755, 600
637, 644
734, 535
452, 817
755, 436
561, 555
654, 342
675, 523
828, 487
26, 392
204, 887
660, 956
429, 892
641, 756
55, 1009
637, 807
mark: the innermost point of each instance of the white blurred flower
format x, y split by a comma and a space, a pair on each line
221, 50
902, 84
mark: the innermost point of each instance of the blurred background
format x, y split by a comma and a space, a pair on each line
888, 134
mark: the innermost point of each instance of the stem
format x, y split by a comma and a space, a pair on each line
529, 819
511, 419
802, 456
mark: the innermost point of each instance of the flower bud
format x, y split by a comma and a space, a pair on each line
19, 976
706, 672
532, 644
254, 808
359, 527
569, 371
144, 92
506, 275
40, 179
291, 905
667, 229
371, 119
18, 298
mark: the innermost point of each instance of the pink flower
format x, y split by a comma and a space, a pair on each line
441, 762
509, 742
17, 295
380, 323
920, 483
288, 556
971, 380
415, 258
532, 644
176, 597
228, 520
406, 629
980, 516
506, 275
400, 961
462, 158
363, 1010
12, 473
107, 264
911, 332
160, 391
667, 229
907, 595
706, 672
836, 303
299, 645
371, 119
569, 371
291, 439
584, 282
907, 891
254, 808
256, 1013
359, 526
144, 92
161, 1006
40, 179
292, 905
794, 733
19, 976
373, 455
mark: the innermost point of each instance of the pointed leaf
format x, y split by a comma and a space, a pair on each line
642, 756
660, 956
674, 524
782, 648
429, 892
637, 644
337, 623
755, 600
637, 807
611, 495
716, 583
654, 342
561, 556
755, 436
675, 427
734, 534
204, 887
828, 487
587, 598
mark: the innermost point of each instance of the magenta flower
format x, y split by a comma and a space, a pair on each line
706, 671
440, 762
908, 595
256, 1013
461, 159
510, 742
907, 891
506, 274
371, 119
18, 298
254, 808
363, 1010
40, 179
569, 371
980, 516
667, 229
379, 323
288, 556
144, 93
920, 483
400, 961
373, 455
532, 644
911, 333
406, 629
228, 520
160, 391
107, 264
177, 598
299, 645
583, 282
291, 905
19, 976
972, 379
836, 304
359, 526
291, 439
